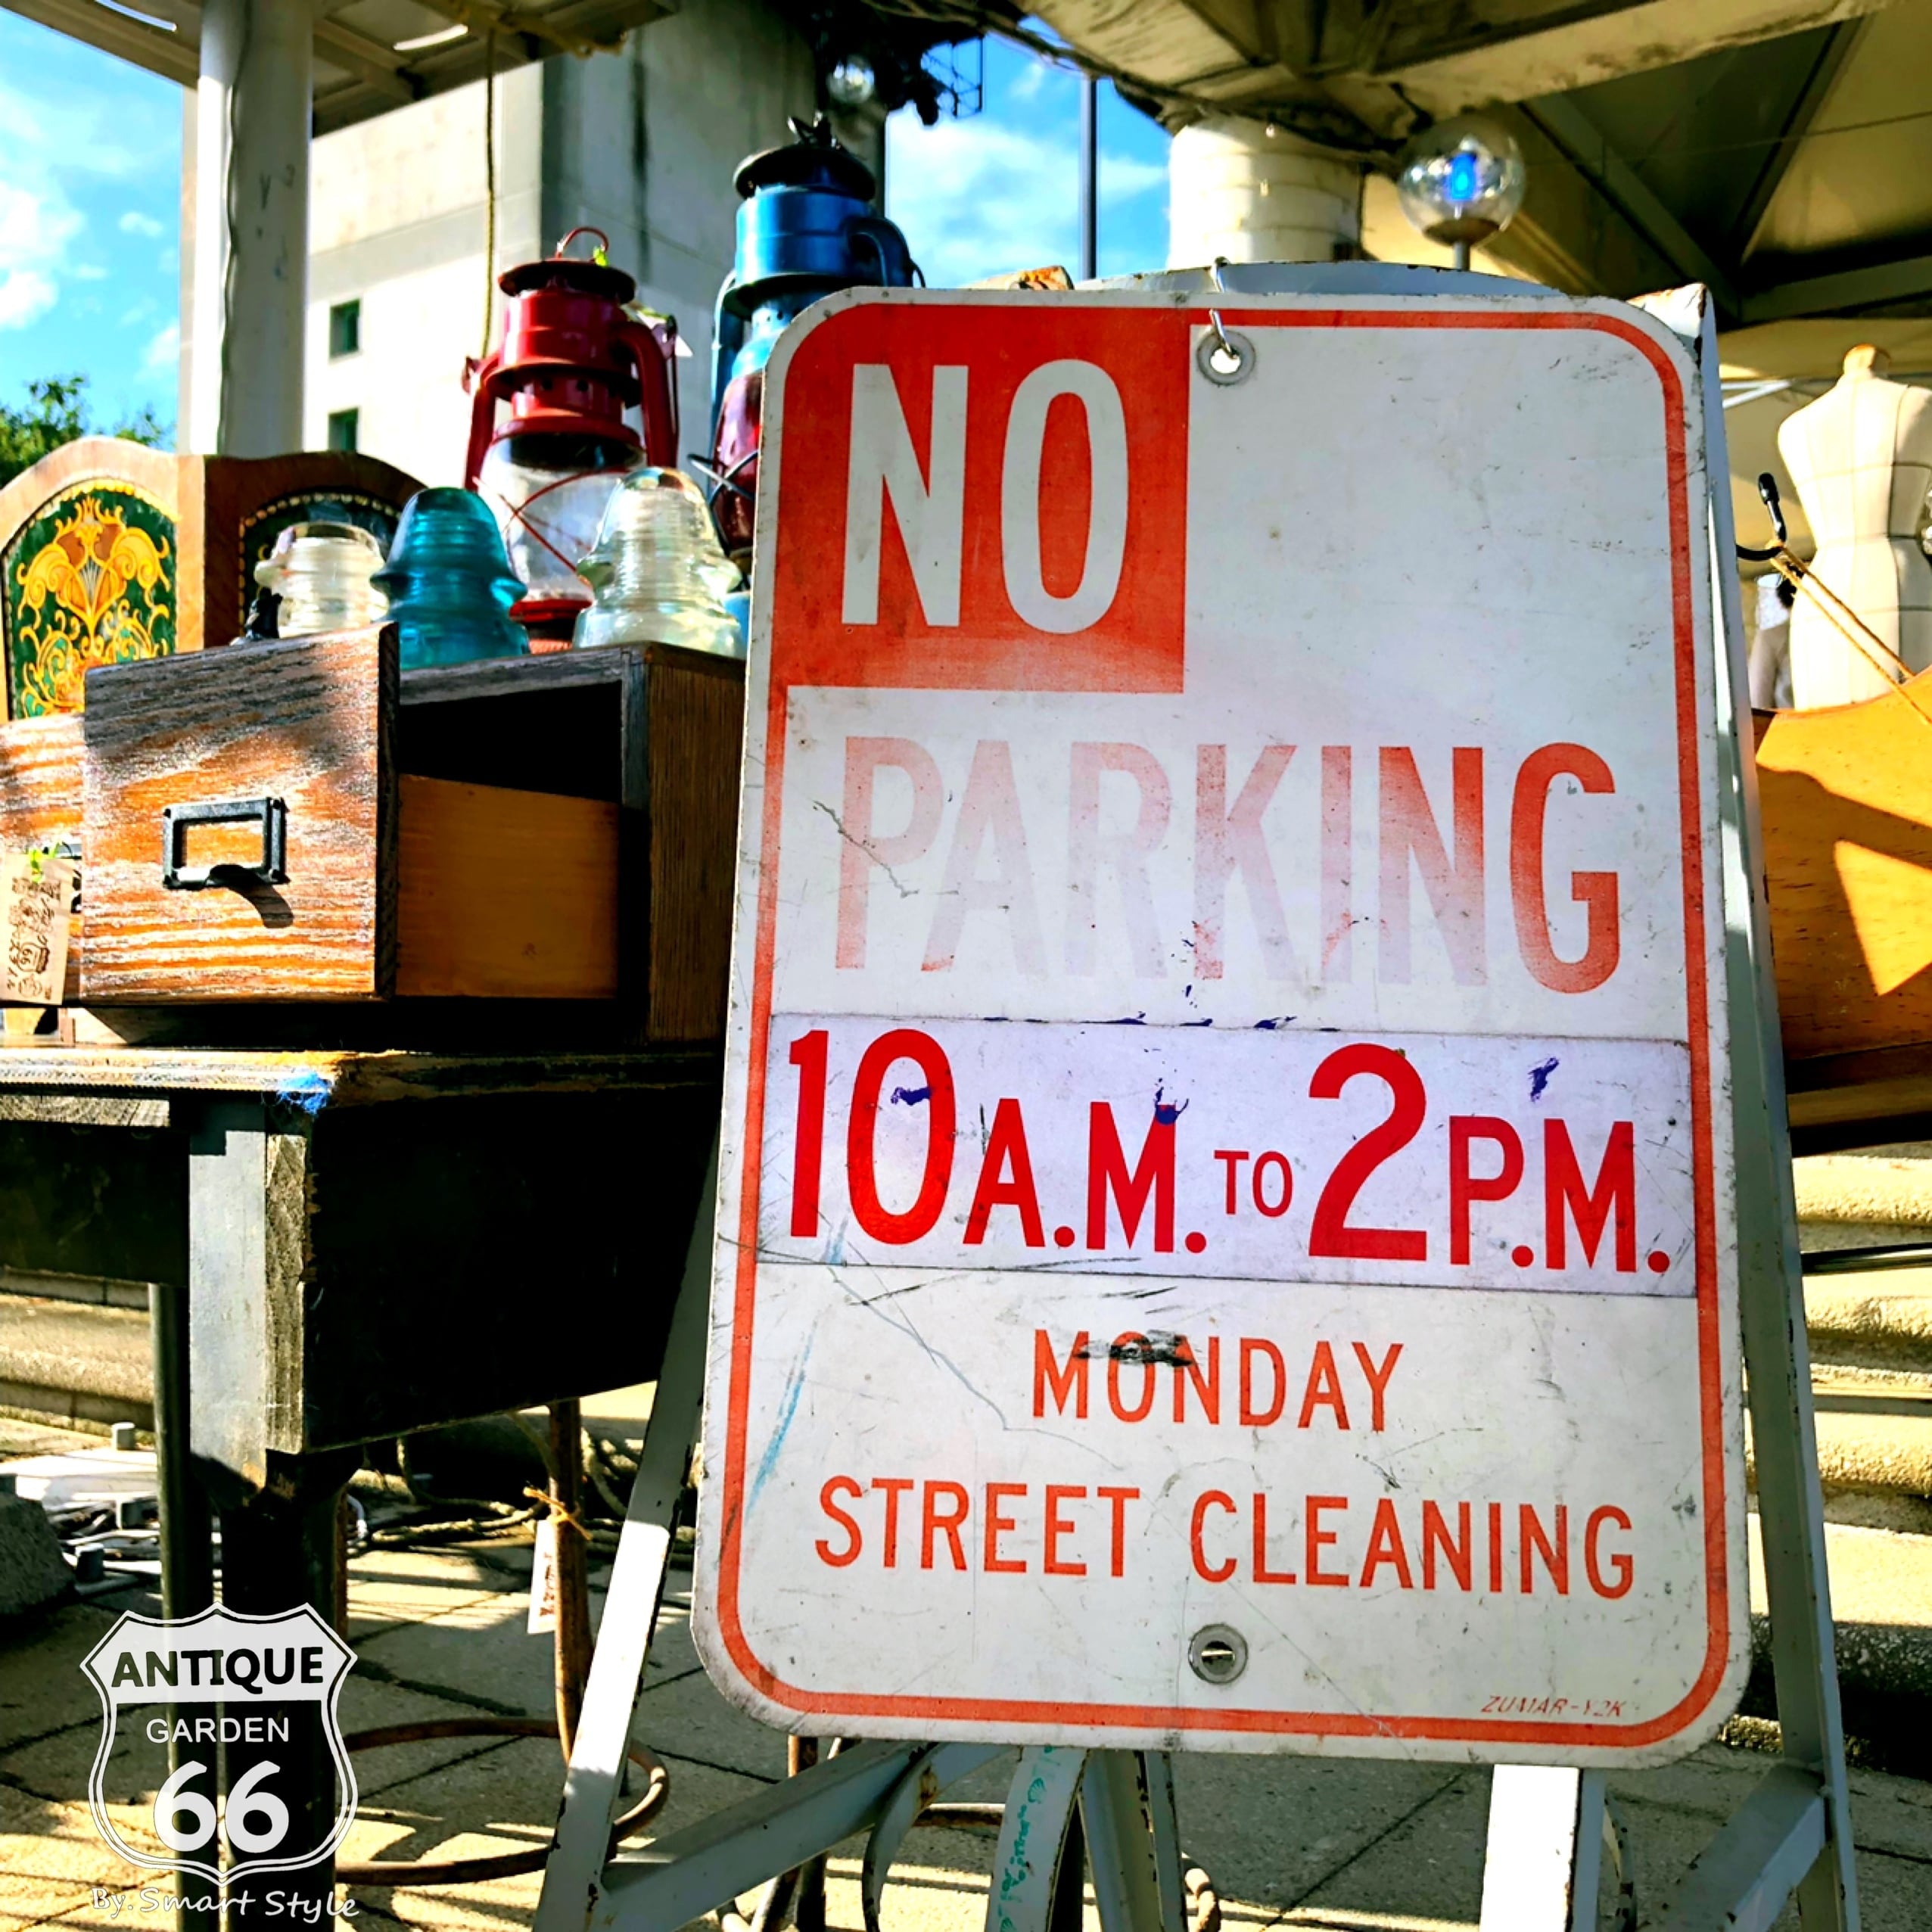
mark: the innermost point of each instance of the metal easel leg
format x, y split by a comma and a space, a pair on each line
572, 1880
1157, 1773
1778, 1826
1544, 1853
1120, 1842
1033, 1848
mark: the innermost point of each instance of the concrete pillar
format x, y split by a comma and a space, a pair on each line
1237, 189
251, 228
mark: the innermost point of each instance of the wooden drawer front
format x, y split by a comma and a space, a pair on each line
310, 722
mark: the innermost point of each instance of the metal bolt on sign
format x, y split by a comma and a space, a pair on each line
1217, 1654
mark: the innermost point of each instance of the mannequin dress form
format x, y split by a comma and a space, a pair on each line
1861, 457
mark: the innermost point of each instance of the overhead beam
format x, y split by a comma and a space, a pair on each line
1605, 44
1834, 295
1573, 131
1825, 70
174, 57
367, 61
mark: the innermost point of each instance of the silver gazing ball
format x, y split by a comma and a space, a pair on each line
852, 82
1462, 180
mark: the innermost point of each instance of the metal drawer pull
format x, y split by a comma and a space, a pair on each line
273, 869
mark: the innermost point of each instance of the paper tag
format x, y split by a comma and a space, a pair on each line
37, 894
543, 1579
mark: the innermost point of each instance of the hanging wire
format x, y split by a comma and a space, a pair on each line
490, 184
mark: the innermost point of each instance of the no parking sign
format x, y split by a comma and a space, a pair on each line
1226, 1227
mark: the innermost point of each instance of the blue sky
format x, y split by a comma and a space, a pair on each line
90, 198
90, 221
1000, 190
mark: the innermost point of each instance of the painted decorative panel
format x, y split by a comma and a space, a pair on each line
90, 579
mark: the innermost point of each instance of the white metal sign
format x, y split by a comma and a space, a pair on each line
1226, 1225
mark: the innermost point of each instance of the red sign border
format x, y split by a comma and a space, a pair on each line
1062, 1716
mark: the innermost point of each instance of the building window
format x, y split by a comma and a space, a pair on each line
342, 429
345, 328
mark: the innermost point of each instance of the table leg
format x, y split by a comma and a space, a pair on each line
280, 1547
186, 1535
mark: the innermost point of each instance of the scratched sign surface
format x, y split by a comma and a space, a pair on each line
1226, 1218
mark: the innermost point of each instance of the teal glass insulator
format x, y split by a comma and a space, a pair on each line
449, 582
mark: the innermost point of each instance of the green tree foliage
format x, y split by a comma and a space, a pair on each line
56, 412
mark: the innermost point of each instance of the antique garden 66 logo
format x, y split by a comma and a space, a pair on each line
256, 1693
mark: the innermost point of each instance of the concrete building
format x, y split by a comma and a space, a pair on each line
641, 144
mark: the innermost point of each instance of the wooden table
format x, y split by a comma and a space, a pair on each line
375, 1242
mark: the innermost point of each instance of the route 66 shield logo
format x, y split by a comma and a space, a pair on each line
256, 1693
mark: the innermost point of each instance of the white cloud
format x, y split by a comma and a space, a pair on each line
1026, 84
134, 223
52, 149
37, 223
976, 199
138, 311
1122, 175
164, 352
25, 295
87, 272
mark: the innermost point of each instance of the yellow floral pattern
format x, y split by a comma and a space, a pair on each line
90, 580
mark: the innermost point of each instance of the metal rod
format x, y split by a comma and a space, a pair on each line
1090, 178
572, 1559
1461, 254
1859, 1261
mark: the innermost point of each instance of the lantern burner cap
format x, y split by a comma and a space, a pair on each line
568, 272
814, 159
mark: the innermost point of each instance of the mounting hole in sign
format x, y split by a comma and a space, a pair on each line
1217, 1654
1225, 356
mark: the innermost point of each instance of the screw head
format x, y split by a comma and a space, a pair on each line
1217, 1654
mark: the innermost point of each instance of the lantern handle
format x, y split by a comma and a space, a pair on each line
603, 249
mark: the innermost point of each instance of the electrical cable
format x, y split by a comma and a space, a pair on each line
489, 185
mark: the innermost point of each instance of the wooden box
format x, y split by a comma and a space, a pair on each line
295, 822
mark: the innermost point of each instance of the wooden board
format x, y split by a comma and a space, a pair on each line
695, 729
310, 721
40, 788
1846, 793
504, 894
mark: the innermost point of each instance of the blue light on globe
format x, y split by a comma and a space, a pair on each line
1460, 181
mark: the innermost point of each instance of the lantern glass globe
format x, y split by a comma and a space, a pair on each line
852, 82
1462, 180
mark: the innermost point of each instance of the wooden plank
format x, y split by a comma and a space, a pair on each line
695, 733
40, 798
310, 721
1846, 797
505, 895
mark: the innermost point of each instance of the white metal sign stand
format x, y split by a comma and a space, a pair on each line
829, 1206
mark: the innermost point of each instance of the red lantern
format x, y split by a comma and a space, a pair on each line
572, 361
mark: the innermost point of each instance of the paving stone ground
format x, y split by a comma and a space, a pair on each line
1349, 1846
